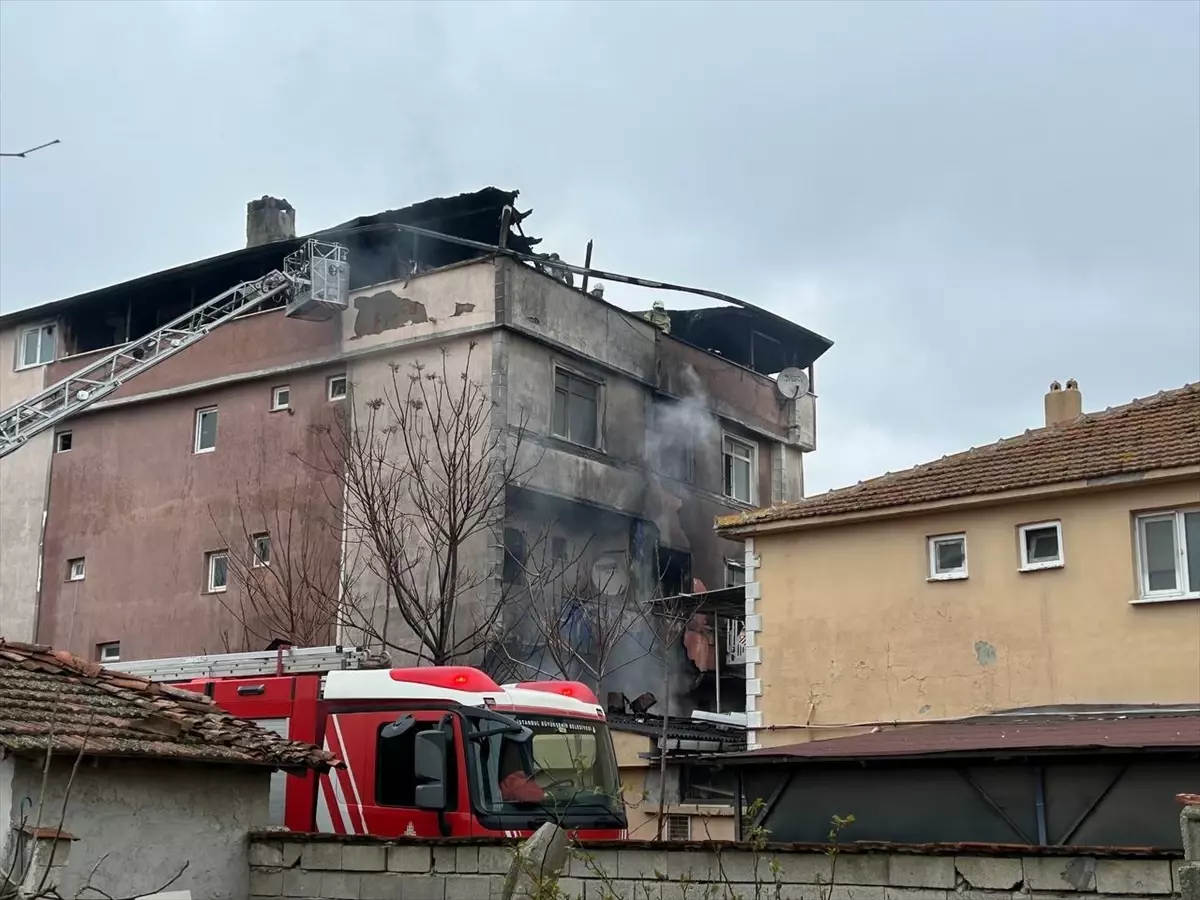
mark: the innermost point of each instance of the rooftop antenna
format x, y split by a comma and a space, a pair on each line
25, 153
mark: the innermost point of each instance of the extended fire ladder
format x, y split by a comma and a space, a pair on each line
284, 661
315, 280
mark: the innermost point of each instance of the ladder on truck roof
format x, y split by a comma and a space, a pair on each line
315, 277
284, 661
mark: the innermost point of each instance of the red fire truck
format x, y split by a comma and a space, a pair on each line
437, 750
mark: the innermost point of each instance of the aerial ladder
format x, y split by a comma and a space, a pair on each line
314, 283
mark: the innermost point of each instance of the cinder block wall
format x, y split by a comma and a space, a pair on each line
320, 867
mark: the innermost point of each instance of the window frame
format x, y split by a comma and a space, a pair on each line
1177, 518
200, 413
58, 441
1023, 546
210, 571
102, 648
82, 563
727, 438
931, 542
19, 361
276, 406
675, 817
257, 560
330, 382
598, 384
731, 567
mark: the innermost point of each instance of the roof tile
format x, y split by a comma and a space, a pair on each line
1154, 433
49, 697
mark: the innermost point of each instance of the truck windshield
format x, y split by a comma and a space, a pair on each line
562, 765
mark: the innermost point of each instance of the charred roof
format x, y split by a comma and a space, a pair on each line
753, 338
111, 315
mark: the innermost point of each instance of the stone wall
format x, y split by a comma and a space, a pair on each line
332, 868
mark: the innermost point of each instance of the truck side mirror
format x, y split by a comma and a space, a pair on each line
430, 769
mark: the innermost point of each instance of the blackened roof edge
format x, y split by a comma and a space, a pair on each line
435, 209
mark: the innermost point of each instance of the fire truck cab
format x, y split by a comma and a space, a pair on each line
433, 751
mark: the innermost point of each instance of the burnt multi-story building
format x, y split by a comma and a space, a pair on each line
638, 427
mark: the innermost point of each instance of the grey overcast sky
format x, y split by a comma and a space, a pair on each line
971, 199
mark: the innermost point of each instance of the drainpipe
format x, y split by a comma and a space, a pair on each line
1040, 787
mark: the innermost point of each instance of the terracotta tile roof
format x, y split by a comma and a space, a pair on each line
1159, 432
1167, 731
49, 696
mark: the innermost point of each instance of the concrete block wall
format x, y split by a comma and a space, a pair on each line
307, 867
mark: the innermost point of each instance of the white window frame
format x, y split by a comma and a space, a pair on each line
331, 381
78, 563
28, 329
58, 437
1026, 565
276, 405
210, 565
931, 544
1176, 517
726, 439
104, 648
200, 414
734, 567
257, 561
675, 817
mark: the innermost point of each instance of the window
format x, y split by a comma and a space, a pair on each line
336, 387
735, 574
108, 653
281, 397
707, 784
206, 430
1168, 553
218, 571
62, 442
947, 557
1041, 546
395, 763
261, 548
75, 569
576, 408
678, 827
36, 346
741, 465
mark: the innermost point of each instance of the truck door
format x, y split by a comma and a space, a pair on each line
376, 793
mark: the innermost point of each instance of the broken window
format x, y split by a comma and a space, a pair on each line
576, 408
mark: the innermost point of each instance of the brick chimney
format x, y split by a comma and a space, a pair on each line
1063, 405
268, 220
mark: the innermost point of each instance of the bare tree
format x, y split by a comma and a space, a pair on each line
288, 580
425, 468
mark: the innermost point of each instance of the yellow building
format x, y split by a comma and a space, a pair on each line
1061, 566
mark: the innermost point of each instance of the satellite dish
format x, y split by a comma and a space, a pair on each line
609, 575
792, 383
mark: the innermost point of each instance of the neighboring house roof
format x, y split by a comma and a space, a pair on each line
50, 697
1154, 433
991, 735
